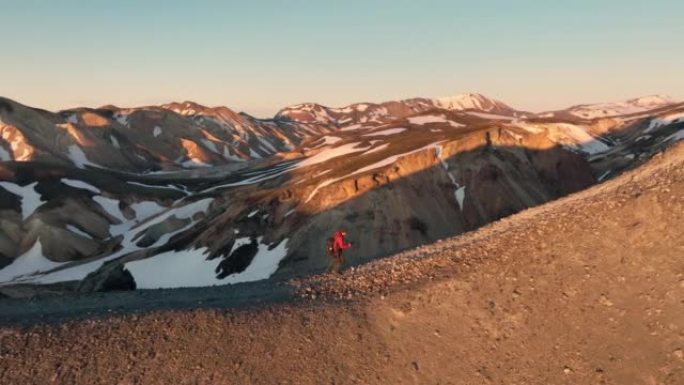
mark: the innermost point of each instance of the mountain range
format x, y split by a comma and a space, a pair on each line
182, 195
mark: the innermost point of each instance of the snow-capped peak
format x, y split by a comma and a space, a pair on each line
185, 108
627, 107
652, 101
361, 113
470, 101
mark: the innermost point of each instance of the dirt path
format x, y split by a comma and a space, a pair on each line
585, 290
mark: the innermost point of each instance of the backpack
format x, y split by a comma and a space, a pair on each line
329, 246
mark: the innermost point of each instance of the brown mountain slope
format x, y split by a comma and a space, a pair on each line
587, 289
152, 138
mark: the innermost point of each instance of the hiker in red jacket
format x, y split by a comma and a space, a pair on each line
335, 246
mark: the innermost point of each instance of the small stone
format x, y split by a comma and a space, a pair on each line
679, 353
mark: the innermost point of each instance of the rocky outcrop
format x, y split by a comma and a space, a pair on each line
114, 278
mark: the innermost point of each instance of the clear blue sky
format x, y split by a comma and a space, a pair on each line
258, 56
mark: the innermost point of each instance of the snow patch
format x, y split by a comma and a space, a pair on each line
111, 207
664, 120
31, 262
569, 135
122, 118
679, 135
194, 163
628, 107
5, 156
376, 149
328, 141
78, 231
146, 209
73, 119
210, 145
190, 268
389, 131
460, 195
468, 101
328, 154
80, 271
254, 154
351, 127
30, 198
167, 187
157, 131
604, 175
114, 141
81, 185
420, 120
268, 146
78, 157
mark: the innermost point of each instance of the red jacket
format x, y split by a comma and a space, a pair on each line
339, 243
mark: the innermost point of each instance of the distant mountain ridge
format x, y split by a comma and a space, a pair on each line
186, 135
360, 113
610, 109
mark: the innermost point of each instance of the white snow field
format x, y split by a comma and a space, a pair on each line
78, 157
328, 154
77, 271
574, 137
426, 119
30, 262
328, 140
627, 107
146, 209
679, 135
190, 268
377, 149
665, 120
